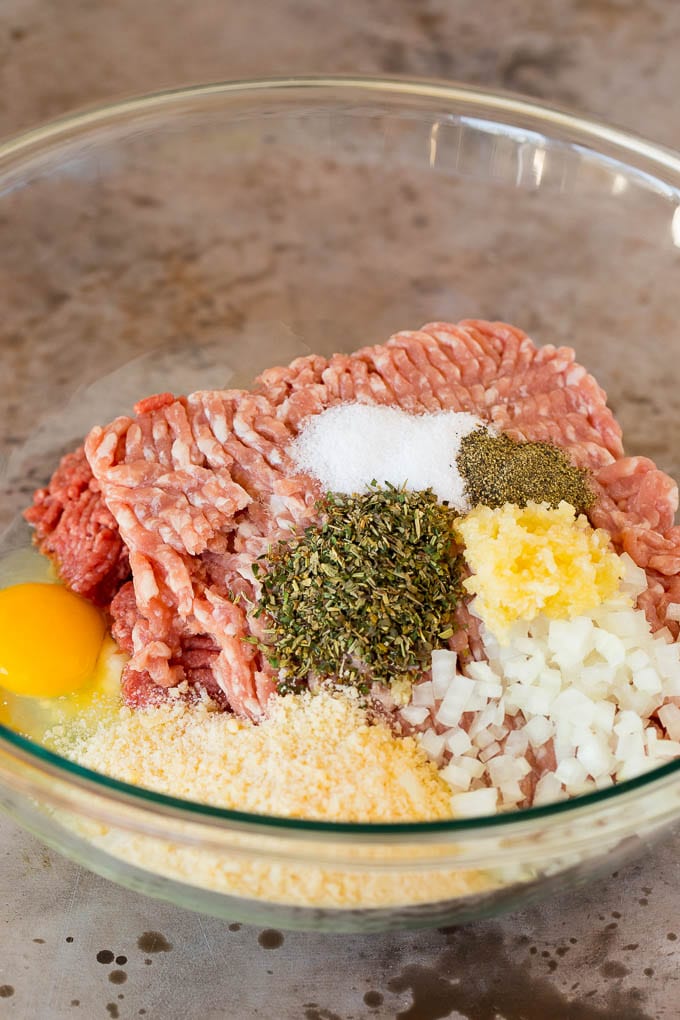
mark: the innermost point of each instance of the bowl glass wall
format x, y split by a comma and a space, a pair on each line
192, 239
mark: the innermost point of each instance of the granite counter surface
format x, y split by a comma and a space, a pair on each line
74, 945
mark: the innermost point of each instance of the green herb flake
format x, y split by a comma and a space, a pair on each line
366, 594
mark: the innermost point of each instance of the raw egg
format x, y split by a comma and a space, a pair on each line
49, 640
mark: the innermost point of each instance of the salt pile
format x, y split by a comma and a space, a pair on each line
351, 445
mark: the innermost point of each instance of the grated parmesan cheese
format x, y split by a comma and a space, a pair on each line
314, 756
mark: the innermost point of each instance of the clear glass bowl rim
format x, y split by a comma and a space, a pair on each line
602, 140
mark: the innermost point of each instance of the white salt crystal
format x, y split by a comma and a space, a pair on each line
348, 446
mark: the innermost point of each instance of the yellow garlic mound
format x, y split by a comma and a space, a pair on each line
535, 559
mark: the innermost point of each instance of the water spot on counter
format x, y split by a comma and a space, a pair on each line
573, 940
647, 889
648, 972
504, 987
614, 969
270, 972
145, 201
112, 1010
148, 962
105, 956
121, 960
234, 927
153, 942
616, 914
643, 901
562, 950
552, 965
612, 926
270, 938
313, 1012
631, 947
6, 991
672, 937
433, 995
117, 977
545, 954
373, 999
121, 996
75, 1002
69, 938
393, 59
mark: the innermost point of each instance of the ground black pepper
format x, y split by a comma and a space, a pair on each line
498, 470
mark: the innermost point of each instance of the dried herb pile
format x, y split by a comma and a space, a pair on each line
365, 595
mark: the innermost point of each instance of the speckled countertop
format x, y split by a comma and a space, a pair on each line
73, 945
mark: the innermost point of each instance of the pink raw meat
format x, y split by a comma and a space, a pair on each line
198, 487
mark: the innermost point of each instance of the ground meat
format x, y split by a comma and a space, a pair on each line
200, 486
76, 530
196, 656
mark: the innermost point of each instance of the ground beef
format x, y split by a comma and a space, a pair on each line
200, 486
76, 530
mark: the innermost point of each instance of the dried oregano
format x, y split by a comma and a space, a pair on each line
364, 595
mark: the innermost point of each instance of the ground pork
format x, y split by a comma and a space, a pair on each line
195, 488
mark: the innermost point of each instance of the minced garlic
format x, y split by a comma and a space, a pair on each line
535, 559
314, 756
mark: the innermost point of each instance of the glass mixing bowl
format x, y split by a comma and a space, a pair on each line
192, 238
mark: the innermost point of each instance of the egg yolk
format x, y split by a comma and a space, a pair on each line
49, 640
